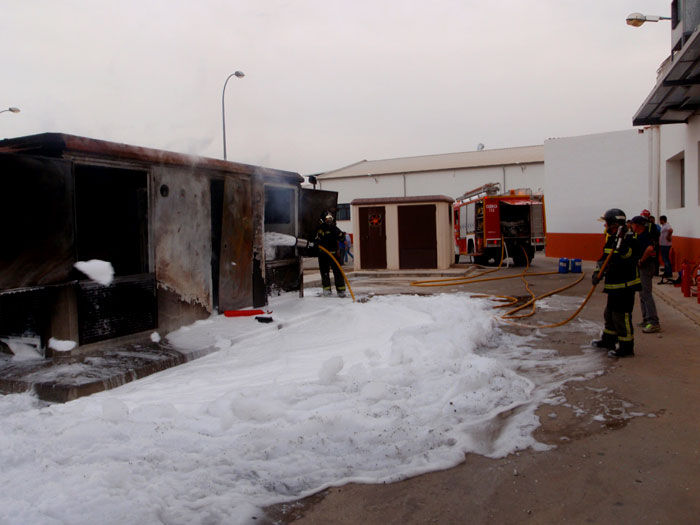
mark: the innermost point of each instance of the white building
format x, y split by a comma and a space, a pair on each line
673, 108
587, 175
449, 174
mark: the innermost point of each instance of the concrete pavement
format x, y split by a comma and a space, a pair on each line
626, 443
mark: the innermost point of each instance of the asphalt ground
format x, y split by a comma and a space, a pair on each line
621, 468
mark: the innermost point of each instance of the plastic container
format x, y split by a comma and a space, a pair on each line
576, 266
563, 265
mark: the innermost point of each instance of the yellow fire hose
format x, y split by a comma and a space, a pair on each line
506, 318
341, 271
509, 315
578, 310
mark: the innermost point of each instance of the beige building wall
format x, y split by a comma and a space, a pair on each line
443, 225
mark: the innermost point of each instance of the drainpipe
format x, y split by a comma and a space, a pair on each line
504, 179
654, 185
404, 185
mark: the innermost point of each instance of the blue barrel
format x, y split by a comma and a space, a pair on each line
563, 265
576, 266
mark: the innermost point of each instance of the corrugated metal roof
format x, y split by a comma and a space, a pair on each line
447, 161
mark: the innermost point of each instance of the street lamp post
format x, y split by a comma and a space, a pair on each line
637, 19
238, 74
11, 110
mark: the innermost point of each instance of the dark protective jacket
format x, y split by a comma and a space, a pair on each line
328, 236
622, 272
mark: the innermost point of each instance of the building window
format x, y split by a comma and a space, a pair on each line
675, 181
343, 212
674, 14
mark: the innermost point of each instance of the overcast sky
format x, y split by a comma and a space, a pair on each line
328, 82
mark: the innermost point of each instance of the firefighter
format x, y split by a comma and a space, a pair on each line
328, 235
621, 282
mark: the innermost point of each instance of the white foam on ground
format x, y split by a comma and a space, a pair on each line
331, 392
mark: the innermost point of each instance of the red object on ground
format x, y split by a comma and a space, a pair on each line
685, 278
242, 313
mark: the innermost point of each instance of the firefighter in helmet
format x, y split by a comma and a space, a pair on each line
328, 235
622, 280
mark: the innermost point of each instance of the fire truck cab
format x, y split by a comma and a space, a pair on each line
487, 223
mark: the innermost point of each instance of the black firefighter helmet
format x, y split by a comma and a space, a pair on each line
614, 216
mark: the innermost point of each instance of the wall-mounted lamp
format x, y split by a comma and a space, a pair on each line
637, 19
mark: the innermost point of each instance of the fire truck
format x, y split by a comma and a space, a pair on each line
484, 218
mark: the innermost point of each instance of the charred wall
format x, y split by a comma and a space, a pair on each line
181, 237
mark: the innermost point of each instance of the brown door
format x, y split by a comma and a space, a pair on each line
373, 238
236, 260
417, 237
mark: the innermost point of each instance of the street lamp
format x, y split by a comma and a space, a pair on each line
11, 110
637, 19
238, 74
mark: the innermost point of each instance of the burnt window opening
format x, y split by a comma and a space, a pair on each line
111, 211
280, 217
279, 205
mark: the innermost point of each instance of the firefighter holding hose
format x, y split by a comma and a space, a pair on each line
328, 235
621, 273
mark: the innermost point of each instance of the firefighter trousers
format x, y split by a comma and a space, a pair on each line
325, 263
618, 318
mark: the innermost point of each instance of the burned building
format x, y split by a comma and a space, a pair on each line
185, 236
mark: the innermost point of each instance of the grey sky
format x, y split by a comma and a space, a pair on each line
328, 82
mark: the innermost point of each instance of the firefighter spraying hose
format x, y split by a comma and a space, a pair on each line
279, 239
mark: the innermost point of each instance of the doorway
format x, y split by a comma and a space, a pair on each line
417, 237
111, 224
373, 237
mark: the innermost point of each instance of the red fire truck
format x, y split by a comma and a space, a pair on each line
484, 218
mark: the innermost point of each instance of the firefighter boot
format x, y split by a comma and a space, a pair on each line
606, 342
626, 350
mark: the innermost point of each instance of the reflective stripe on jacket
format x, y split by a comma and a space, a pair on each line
622, 271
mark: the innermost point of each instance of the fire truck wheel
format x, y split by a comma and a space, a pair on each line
519, 259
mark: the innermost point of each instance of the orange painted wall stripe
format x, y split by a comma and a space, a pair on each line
589, 247
586, 246
684, 248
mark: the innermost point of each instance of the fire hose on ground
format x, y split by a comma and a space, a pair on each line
508, 316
